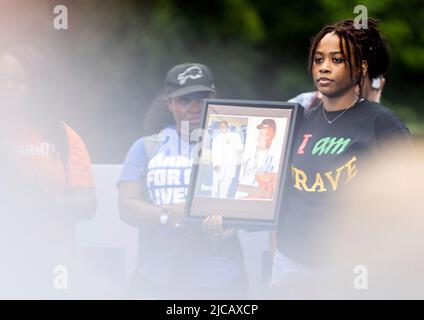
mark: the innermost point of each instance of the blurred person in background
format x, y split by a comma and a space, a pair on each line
50, 185
176, 260
334, 142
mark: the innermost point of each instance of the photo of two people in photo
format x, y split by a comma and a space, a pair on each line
242, 159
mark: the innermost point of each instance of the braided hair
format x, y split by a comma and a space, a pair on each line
361, 44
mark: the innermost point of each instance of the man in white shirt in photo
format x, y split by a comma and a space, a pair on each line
225, 149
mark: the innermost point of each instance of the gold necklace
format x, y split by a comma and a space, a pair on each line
331, 121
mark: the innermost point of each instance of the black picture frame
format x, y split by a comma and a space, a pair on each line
240, 208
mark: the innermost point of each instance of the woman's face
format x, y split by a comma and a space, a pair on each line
330, 73
13, 81
188, 108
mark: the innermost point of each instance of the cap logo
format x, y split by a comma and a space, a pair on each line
193, 72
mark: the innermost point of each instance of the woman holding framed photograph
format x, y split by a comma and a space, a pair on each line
177, 260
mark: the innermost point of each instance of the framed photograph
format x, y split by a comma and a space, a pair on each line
242, 161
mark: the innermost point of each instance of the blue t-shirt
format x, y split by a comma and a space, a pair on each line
166, 173
163, 169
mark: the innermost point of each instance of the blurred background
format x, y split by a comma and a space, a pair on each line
108, 67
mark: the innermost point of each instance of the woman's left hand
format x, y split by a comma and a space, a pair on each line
214, 227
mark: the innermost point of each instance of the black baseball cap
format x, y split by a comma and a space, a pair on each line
267, 123
188, 78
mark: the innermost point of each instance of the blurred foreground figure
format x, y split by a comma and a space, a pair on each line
177, 261
47, 185
375, 241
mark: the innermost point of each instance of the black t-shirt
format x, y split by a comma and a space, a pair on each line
327, 158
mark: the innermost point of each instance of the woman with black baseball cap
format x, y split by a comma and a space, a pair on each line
177, 261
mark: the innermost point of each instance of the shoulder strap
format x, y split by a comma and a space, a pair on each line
151, 146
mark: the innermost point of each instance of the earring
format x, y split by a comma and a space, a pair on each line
358, 78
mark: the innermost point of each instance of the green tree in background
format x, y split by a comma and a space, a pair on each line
117, 52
